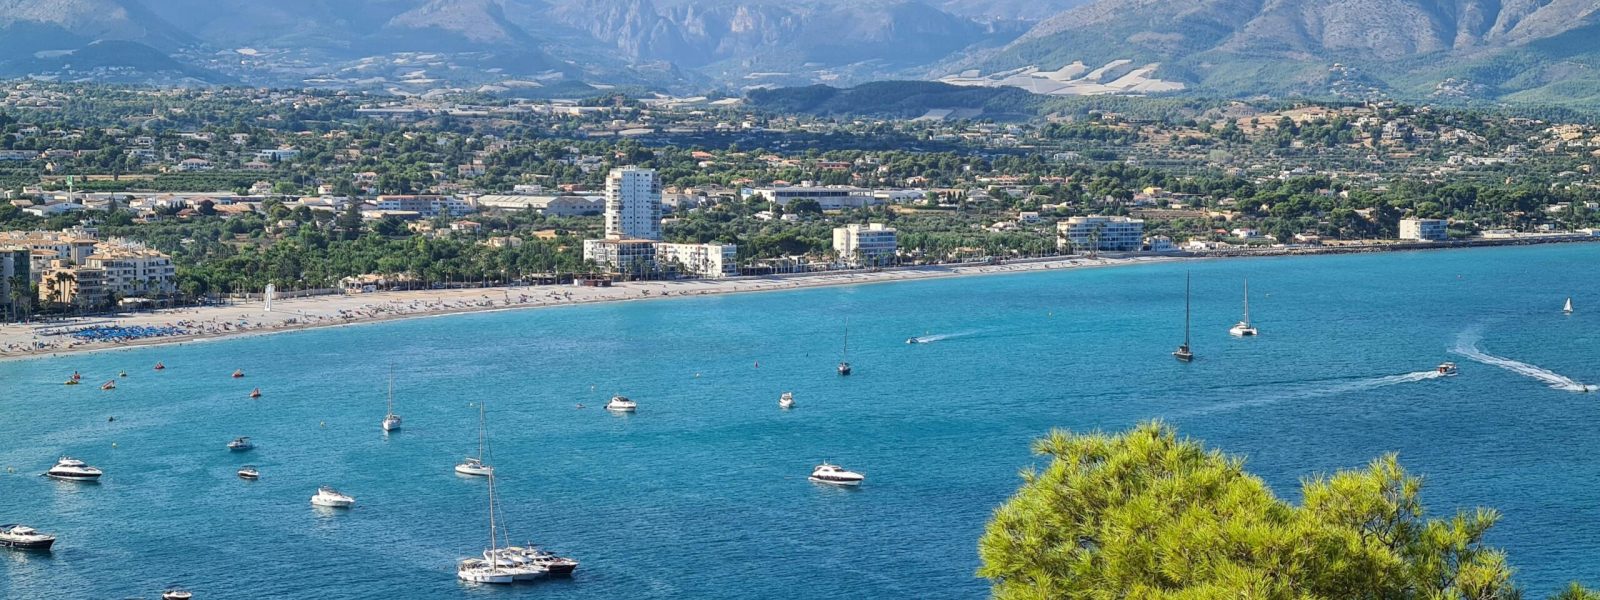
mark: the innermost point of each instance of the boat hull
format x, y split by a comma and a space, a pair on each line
474, 471
74, 476
844, 482
485, 577
40, 545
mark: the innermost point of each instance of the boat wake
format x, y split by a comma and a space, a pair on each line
1467, 345
1319, 390
929, 339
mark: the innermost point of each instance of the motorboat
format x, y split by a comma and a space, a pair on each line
176, 594
621, 404
474, 466
835, 475
240, 444
331, 498
556, 565
912, 340
237, 373
249, 472
391, 421
521, 566
122, 373
72, 469
255, 393
786, 400
23, 537
1243, 328
110, 384
1447, 369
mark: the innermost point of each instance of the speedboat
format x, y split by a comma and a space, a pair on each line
176, 594
835, 475
621, 404
521, 566
1447, 369
255, 393
786, 400
237, 373
72, 469
556, 565
240, 444
249, 472
844, 368
912, 340
475, 467
331, 498
109, 385
23, 537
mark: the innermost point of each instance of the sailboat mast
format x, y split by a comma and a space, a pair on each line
391, 392
846, 352
1186, 310
1247, 302
494, 562
480, 431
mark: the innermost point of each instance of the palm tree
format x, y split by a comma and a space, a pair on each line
21, 292
61, 279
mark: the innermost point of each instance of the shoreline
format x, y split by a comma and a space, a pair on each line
249, 319
21, 341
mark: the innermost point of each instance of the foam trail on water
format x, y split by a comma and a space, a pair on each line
927, 339
1316, 391
1467, 345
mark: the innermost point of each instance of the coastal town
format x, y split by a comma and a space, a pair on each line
157, 198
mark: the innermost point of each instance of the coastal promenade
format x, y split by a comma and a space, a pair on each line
202, 323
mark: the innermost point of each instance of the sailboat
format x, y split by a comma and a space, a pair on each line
1568, 308
474, 465
844, 363
497, 565
1244, 328
1182, 353
391, 421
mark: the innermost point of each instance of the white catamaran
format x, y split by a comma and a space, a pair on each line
1244, 328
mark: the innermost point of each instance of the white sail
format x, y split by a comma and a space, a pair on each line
1568, 307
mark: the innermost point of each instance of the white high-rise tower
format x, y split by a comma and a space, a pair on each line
633, 204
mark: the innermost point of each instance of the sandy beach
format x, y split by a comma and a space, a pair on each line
251, 318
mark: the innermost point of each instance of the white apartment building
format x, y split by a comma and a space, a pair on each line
873, 244
426, 206
637, 257
1432, 230
829, 197
133, 270
1108, 234
711, 261
633, 204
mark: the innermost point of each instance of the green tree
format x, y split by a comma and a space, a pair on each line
1146, 514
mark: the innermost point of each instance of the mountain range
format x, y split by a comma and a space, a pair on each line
1496, 50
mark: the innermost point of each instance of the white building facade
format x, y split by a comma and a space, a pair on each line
633, 204
873, 244
1108, 234
1431, 230
710, 261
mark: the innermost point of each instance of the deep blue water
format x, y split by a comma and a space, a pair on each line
703, 494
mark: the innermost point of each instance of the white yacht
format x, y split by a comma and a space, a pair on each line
73, 469
477, 570
836, 475
331, 498
240, 444
474, 465
1447, 369
621, 404
1244, 328
391, 421
176, 594
555, 565
522, 566
249, 472
25, 538
786, 400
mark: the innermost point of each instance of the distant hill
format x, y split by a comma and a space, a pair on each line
1484, 49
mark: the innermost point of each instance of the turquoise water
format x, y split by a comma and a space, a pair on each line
703, 494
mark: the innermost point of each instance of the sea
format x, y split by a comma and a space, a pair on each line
703, 492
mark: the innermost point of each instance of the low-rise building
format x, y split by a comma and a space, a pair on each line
1432, 230
829, 197
133, 271
427, 206
711, 261
872, 244
635, 257
1107, 234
